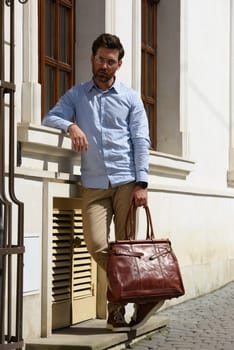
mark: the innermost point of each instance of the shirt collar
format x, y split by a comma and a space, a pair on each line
115, 86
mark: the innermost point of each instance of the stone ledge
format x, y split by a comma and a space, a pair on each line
39, 140
169, 166
92, 335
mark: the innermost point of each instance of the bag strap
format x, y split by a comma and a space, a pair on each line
130, 221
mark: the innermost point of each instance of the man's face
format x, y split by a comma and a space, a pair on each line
104, 64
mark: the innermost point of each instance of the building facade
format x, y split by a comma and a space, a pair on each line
180, 58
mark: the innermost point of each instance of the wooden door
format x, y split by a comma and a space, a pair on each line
73, 270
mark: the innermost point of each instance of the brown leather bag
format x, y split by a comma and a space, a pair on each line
140, 271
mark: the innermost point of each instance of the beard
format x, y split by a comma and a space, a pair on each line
102, 75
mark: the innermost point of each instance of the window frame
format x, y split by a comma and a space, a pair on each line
55, 63
149, 50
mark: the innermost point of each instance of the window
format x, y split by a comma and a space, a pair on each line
56, 47
148, 78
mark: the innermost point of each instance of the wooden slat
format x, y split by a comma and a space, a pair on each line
66, 226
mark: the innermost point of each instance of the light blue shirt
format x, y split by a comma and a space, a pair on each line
116, 127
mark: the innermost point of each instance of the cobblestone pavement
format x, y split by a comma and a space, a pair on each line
205, 323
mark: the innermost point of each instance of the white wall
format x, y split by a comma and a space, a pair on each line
208, 69
197, 212
90, 21
201, 231
168, 78
109, 16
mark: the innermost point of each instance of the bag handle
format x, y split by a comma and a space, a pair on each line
130, 222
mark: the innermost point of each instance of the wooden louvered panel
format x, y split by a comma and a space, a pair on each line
61, 259
65, 225
62, 287
82, 249
81, 274
60, 244
61, 234
73, 269
78, 267
64, 255
83, 280
61, 298
81, 261
81, 294
62, 290
58, 277
61, 264
60, 268
84, 257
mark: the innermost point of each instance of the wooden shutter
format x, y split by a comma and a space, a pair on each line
73, 269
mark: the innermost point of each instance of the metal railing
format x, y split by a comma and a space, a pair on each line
11, 242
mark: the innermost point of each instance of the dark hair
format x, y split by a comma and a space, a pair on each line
108, 41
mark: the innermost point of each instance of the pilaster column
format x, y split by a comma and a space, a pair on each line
136, 45
231, 143
184, 127
31, 89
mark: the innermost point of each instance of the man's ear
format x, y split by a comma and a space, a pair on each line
120, 63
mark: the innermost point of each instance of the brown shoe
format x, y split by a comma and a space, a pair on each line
143, 312
116, 321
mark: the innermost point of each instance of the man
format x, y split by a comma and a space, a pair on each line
107, 123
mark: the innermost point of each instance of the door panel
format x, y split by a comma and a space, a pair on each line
73, 269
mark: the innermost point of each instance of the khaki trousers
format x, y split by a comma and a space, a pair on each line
99, 207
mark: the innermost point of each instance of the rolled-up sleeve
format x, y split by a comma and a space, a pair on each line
61, 116
140, 138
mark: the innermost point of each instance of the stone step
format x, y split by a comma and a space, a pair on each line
92, 335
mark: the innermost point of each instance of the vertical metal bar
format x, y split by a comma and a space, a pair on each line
12, 338
1, 40
7, 225
20, 227
4, 231
9, 265
2, 155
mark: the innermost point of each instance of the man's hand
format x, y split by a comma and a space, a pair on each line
78, 137
139, 196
